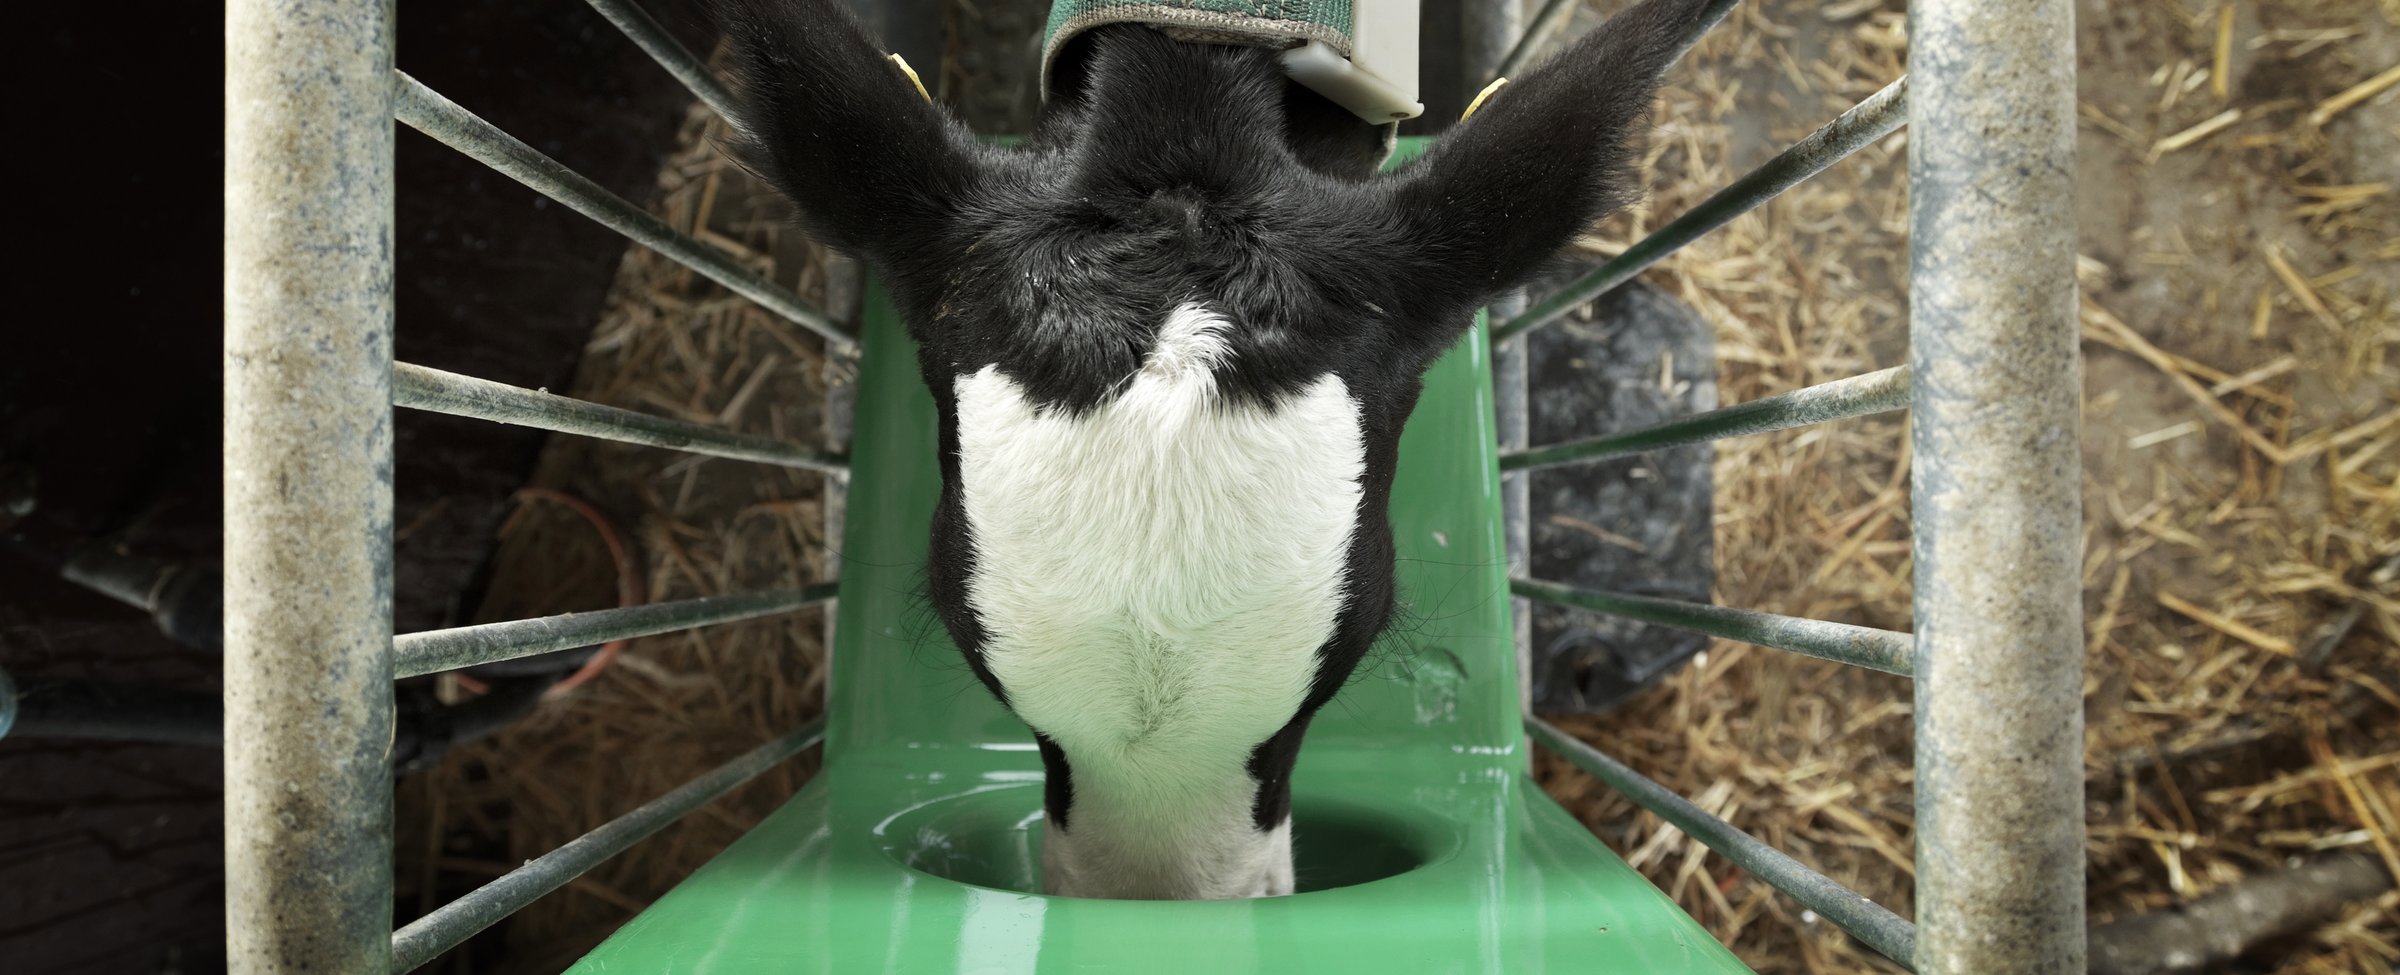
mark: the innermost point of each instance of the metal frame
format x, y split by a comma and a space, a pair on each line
434, 651
427, 937
1881, 929
310, 383
1881, 391
425, 110
308, 490
1993, 337
1858, 646
421, 388
1861, 126
311, 95
1994, 383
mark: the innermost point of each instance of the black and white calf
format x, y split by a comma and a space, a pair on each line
1173, 337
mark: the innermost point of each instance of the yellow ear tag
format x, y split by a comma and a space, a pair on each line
1479, 97
912, 76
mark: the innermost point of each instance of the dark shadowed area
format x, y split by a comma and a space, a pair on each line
109, 407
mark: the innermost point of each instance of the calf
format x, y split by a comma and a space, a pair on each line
1173, 337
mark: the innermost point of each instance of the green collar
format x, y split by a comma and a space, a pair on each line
1277, 24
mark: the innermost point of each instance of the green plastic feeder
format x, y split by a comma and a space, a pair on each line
1422, 844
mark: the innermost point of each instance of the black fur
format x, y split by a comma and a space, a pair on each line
1163, 172
1058, 781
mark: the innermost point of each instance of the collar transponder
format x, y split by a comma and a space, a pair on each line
1359, 54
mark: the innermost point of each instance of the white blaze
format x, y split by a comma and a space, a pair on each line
1154, 579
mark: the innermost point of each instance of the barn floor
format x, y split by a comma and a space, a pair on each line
2242, 442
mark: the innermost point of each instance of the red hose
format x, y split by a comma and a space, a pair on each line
632, 589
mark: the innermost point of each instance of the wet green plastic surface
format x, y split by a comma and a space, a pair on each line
1421, 844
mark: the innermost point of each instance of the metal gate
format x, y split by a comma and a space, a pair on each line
1993, 383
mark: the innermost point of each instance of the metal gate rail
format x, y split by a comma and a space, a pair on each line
425, 110
1881, 391
434, 651
1866, 920
1858, 646
421, 388
645, 32
311, 95
1994, 383
309, 711
1865, 123
425, 938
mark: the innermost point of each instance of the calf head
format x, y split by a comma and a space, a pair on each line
1173, 337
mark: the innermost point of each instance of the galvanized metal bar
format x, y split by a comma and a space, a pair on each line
1546, 24
1716, 11
1996, 484
646, 33
433, 651
1869, 922
427, 937
421, 388
1553, 18
1861, 126
1487, 31
1876, 392
1859, 646
425, 110
308, 485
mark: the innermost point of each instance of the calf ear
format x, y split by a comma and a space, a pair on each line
873, 164
1547, 154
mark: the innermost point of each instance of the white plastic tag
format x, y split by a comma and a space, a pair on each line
1378, 81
